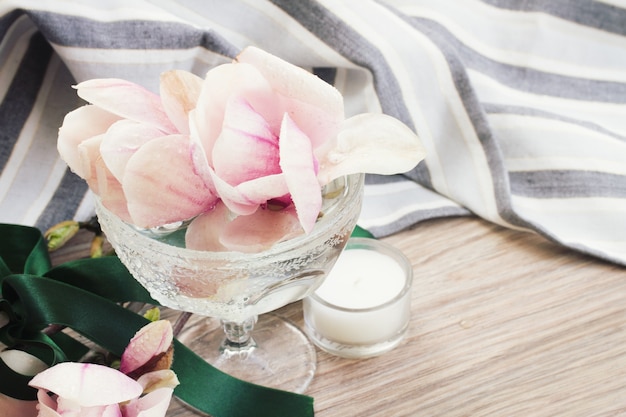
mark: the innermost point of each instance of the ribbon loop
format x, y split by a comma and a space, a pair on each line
86, 296
23, 250
15, 384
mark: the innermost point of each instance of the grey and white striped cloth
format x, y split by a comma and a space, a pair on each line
521, 105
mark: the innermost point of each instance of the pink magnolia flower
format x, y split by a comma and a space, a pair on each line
254, 136
133, 148
92, 390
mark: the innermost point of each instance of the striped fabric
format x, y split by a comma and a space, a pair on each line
521, 105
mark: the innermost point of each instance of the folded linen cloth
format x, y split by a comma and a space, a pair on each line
520, 105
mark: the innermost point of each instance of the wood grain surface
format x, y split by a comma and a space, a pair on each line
504, 323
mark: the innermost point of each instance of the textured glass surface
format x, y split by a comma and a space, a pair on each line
234, 285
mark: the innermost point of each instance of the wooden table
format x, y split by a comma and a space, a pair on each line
504, 323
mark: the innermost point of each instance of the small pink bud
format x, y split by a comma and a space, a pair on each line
149, 344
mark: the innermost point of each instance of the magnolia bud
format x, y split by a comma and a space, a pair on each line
97, 243
153, 314
59, 234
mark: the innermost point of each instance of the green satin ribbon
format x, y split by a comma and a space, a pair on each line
84, 295
360, 232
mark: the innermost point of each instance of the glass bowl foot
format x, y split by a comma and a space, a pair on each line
279, 356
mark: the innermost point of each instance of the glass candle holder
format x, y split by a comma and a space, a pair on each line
362, 309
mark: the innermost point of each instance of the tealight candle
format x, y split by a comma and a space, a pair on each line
363, 307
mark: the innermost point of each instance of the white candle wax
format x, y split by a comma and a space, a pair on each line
362, 278
363, 301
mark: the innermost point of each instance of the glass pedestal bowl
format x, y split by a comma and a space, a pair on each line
234, 290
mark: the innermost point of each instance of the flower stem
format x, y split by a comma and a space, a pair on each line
180, 322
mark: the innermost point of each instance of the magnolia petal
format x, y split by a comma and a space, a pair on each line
179, 93
203, 286
245, 198
298, 165
112, 410
151, 340
320, 126
241, 199
161, 184
89, 157
204, 231
87, 384
371, 143
291, 80
246, 148
232, 197
154, 404
47, 406
101, 180
315, 106
113, 198
260, 230
79, 125
199, 155
164, 378
74, 410
220, 84
128, 100
260, 190
45, 412
121, 141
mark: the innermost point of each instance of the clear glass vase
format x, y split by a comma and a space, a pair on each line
233, 291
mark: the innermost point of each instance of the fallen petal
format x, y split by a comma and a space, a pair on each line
298, 165
128, 100
371, 143
204, 231
208, 286
151, 340
261, 230
161, 184
87, 384
179, 93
